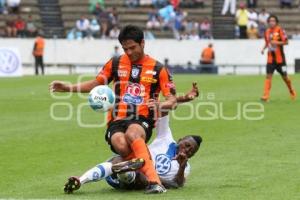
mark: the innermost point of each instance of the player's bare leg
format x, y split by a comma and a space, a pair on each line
136, 137
101, 171
288, 83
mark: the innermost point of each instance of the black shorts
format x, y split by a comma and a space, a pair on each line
122, 125
280, 68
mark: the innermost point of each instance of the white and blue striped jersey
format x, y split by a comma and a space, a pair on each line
163, 150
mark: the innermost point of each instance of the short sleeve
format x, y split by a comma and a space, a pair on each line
283, 35
104, 77
166, 83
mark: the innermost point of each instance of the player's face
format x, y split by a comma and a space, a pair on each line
272, 22
188, 146
134, 50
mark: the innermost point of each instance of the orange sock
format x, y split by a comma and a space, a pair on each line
267, 88
288, 83
140, 150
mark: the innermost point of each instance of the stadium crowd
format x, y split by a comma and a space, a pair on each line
15, 24
250, 23
164, 15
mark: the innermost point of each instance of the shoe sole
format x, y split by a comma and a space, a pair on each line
72, 185
130, 165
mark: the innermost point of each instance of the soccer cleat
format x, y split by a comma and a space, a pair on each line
155, 188
129, 165
293, 94
72, 184
264, 98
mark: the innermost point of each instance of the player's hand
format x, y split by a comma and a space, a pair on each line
58, 86
153, 104
193, 93
181, 158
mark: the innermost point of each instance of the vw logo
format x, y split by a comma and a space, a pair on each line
9, 62
162, 164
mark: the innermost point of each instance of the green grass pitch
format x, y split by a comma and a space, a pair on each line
239, 159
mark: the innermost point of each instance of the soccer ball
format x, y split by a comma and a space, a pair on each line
101, 98
126, 177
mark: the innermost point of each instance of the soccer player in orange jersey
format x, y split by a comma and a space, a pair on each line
137, 81
275, 39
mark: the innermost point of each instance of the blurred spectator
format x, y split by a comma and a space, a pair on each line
208, 55
93, 4
296, 35
194, 35
13, 5
175, 3
145, 2
31, 28
148, 35
242, 20
252, 18
114, 32
192, 3
180, 24
205, 29
10, 28
252, 32
252, 3
98, 9
262, 22
20, 25
83, 25
2, 6
159, 3
116, 52
94, 27
132, 3
153, 20
227, 4
167, 14
113, 17
285, 3
104, 20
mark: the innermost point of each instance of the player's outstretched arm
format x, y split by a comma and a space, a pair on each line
189, 96
59, 86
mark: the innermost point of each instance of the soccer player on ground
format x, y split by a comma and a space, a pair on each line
138, 80
170, 159
275, 39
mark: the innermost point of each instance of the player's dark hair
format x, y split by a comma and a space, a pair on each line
131, 32
197, 139
274, 17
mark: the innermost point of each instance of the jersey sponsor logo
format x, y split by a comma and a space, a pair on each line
148, 80
135, 72
122, 73
134, 94
150, 72
162, 164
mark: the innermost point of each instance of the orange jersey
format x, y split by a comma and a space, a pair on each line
275, 52
208, 55
39, 46
134, 85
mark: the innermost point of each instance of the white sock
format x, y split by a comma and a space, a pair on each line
97, 173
